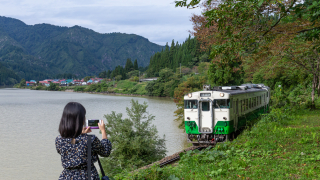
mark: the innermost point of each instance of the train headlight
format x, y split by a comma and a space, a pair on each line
221, 94
190, 95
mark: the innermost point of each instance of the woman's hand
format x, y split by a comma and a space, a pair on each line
86, 130
102, 128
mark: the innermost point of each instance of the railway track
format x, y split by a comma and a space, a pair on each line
175, 157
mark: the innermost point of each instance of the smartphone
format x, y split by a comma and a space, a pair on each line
93, 123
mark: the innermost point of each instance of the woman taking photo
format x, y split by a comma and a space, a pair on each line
71, 144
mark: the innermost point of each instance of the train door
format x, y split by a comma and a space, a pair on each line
205, 117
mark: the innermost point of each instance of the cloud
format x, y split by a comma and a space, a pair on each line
159, 21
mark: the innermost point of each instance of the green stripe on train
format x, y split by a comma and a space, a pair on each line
226, 127
191, 127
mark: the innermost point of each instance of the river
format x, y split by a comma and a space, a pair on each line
29, 122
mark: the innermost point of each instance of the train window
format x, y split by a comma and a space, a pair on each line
205, 106
249, 102
260, 100
242, 105
191, 104
246, 107
255, 101
222, 103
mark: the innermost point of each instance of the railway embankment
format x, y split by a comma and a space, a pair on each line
283, 144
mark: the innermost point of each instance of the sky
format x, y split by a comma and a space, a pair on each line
157, 20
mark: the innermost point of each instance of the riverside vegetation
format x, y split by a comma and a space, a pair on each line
257, 41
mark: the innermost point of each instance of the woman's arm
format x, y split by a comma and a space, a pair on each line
102, 128
57, 142
103, 147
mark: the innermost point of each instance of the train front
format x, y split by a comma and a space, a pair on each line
207, 117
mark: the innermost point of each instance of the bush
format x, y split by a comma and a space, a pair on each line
79, 88
135, 140
53, 87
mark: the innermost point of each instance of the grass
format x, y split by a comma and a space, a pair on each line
281, 145
128, 87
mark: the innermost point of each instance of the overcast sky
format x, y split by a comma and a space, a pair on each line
157, 20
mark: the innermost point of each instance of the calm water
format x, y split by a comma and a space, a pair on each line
29, 125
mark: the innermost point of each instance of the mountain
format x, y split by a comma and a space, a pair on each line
44, 50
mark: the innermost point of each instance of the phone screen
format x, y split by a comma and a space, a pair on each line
93, 122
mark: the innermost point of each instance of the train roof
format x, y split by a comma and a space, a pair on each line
240, 91
233, 90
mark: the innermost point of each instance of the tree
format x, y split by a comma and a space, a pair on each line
103, 74
87, 78
135, 65
53, 87
118, 77
22, 83
248, 33
134, 139
129, 66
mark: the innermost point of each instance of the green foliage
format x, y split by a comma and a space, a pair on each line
134, 139
282, 145
129, 66
87, 78
103, 74
187, 53
135, 65
79, 88
164, 85
133, 73
22, 83
7, 77
95, 87
53, 87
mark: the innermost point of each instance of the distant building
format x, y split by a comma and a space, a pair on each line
30, 83
148, 79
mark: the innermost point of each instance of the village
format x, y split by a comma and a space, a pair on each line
65, 82
77, 82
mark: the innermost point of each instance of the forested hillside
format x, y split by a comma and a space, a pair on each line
43, 50
7, 76
188, 54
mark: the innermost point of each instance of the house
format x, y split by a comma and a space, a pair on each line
44, 82
30, 83
63, 83
77, 82
69, 81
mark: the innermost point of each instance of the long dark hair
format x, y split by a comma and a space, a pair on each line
72, 120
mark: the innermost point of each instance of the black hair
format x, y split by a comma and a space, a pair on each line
72, 120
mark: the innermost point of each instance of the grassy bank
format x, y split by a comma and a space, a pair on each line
282, 145
120, 87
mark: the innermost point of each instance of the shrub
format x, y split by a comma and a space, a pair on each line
134, 139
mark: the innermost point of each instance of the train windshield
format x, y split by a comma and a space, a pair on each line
191, 104
221, 103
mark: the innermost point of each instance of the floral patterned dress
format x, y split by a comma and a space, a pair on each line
74, 156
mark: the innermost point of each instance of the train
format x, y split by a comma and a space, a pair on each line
215, 114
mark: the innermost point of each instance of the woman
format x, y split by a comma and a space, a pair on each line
71, 144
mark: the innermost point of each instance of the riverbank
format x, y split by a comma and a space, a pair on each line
282, 145
122, 88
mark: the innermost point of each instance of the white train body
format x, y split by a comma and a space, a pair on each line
213, 114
